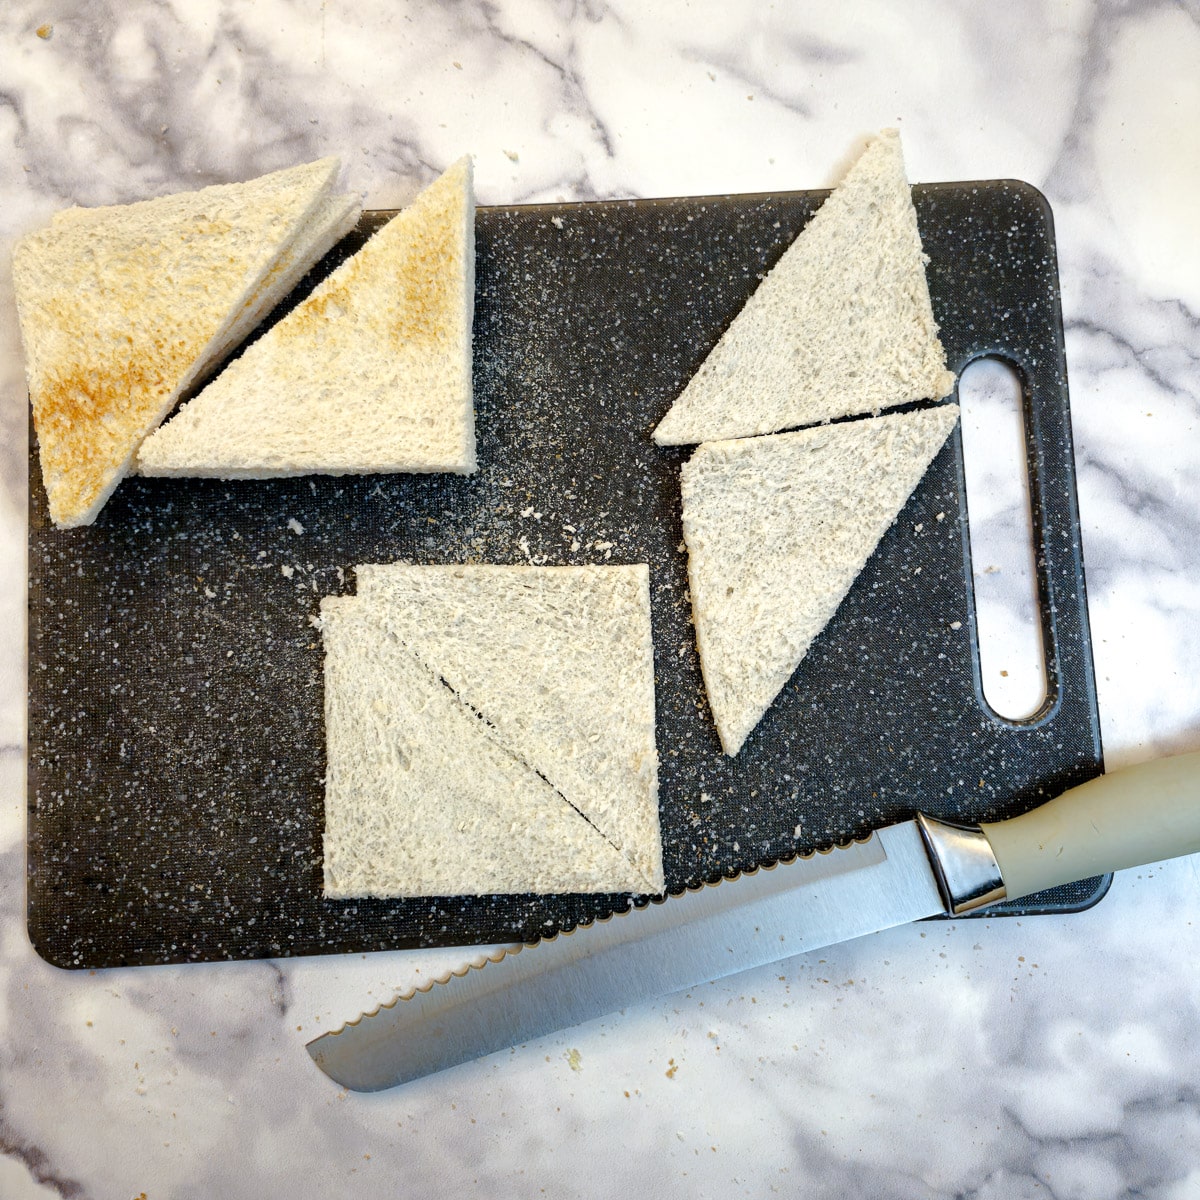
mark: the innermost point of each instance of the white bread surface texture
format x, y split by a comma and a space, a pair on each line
841, 325
332, 221
122, 308
777, 529
491, 729
369, 373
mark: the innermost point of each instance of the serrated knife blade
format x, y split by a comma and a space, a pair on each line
902, 873
665, 947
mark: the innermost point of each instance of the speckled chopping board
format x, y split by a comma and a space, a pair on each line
176, 741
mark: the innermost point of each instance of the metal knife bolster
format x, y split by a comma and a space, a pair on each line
964, 864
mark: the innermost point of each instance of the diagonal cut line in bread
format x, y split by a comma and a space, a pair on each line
122, 308
777, 529
369, 373
841, 325
490, 731
551, 669
332, 221
419, 800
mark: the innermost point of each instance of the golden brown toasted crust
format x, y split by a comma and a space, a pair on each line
118, 312
427, 288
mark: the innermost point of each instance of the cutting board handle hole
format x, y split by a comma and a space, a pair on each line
992, 395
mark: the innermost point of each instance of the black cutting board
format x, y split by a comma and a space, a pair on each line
176, 744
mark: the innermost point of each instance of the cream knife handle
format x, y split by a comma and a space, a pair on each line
1134, 816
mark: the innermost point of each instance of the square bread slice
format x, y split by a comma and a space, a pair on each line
491, 729
369, 373
841, 325
777, 529
122, 308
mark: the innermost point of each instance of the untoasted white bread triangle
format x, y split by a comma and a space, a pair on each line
559, 662
420, 800
369, 373
777, 529
121, 308
841, 325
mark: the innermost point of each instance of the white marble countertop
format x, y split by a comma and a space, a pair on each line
994, 1058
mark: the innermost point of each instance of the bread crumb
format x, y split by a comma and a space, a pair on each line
288, 572
295, 525
45, 32
557, 222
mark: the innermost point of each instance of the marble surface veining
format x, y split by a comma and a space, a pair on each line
995, 1058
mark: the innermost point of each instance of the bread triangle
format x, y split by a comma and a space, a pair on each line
122, 308
370, 373
559, 662
841, 325
420, 800
777, 529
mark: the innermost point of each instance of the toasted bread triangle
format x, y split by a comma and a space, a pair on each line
841, 325
122, 308
369, 373
777, 529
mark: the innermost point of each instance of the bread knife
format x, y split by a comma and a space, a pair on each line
905, 872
